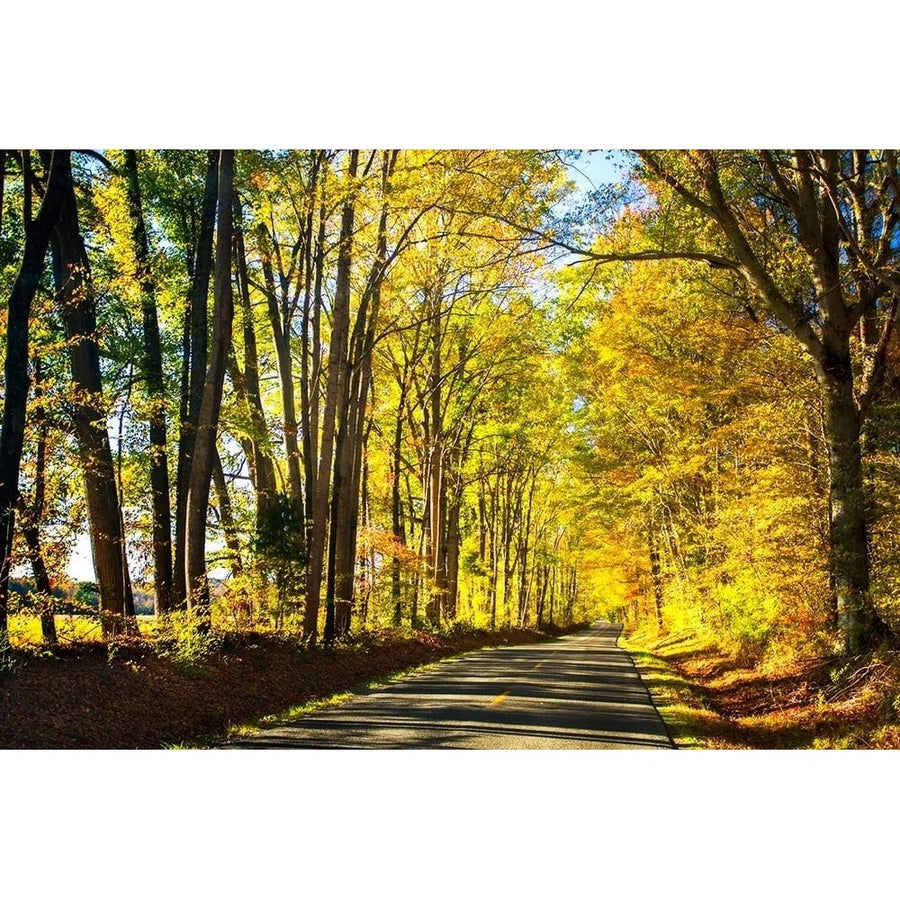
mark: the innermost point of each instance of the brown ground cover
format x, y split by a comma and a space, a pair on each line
88, 696
723, 703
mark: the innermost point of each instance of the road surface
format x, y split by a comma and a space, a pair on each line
576, 692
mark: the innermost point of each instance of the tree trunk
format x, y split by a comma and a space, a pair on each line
365, 555
2, 185
352, 432
493, 550
344, 509
396, 506
197, 347
338, 373
413, 521
155, 385
543, 578
196, 584
510, 515
525, 547
248, 384
311, 365
3, 158
341, 559
281, 339
434, 475
15, 399
656, 578
77, 307
32, 518
571, 596
858, 626
454, 539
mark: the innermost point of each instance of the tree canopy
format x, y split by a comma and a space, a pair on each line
321, 391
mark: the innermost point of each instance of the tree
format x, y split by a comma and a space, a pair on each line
197, 502
335, 392
352, 431
152, 365
195, 354
33, 512
76, 301
814, 237
700, 454
37, 238
247, 384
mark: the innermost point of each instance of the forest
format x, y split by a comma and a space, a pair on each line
323, 393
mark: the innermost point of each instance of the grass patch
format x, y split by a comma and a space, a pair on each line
681, 703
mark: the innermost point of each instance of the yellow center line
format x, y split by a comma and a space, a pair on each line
539, 665
499, 699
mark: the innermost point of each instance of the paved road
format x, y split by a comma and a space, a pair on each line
577, 692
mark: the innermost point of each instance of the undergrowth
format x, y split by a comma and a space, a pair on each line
711, 699
177, 686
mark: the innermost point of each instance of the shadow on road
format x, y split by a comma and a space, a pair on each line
581, 691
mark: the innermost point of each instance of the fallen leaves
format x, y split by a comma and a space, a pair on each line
80, 698
802, 704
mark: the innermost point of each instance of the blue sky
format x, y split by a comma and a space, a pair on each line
597, 167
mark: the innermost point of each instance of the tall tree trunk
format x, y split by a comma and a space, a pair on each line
348, 468
339, 579
197, 330
493, 550
248, 382
368, 556
312, 364
33, 514
543, 578
259, 461
656, 577
281, 339
858, 626
510, 517
454, 539
281, 311
552, 592
120, 487
15, 399
154, 380
571, 596
338, 372
347, 544
196, 584
433, 475
77, 307
396, 505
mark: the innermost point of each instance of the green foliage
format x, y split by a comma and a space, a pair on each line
186, 638
280, 555
280, 535
87, 594
460, 629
